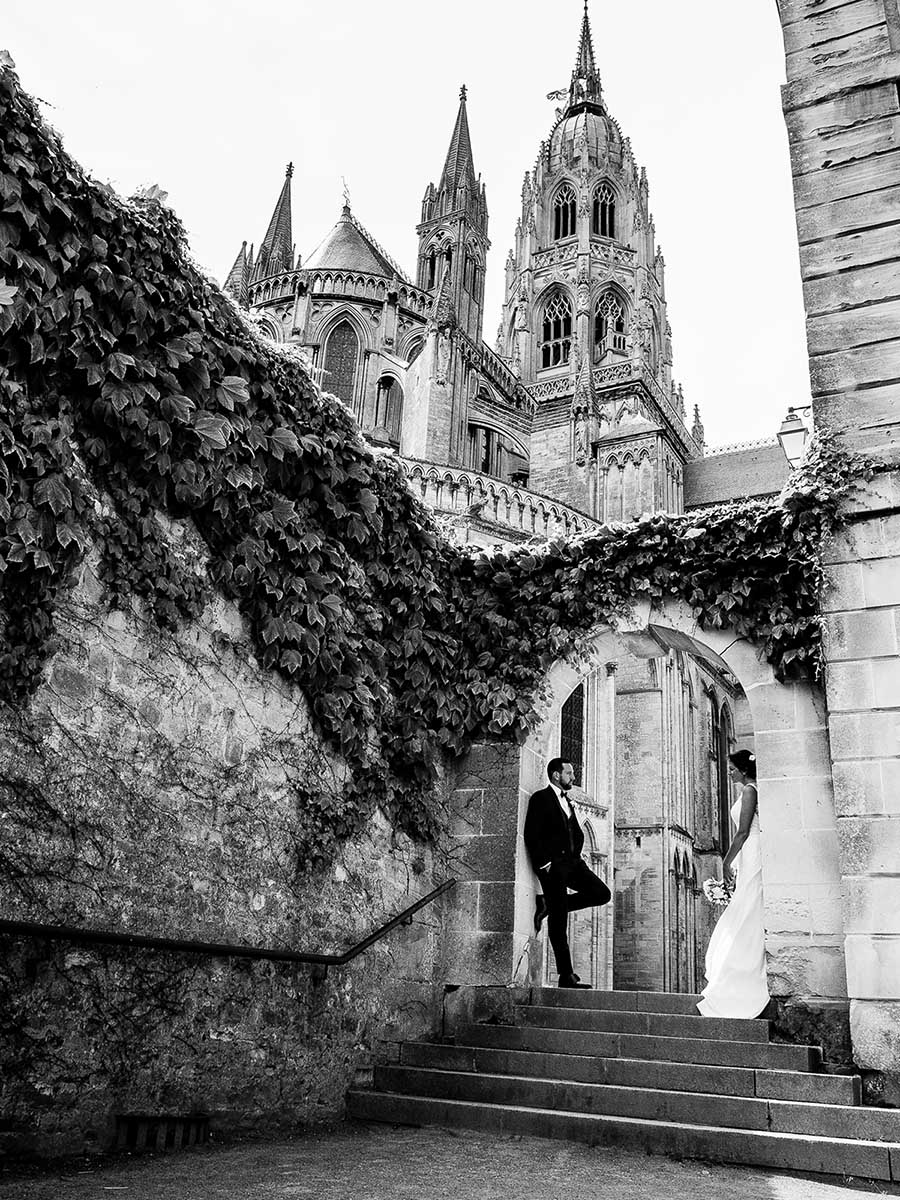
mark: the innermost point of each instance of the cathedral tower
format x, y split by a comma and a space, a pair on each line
584, 320
453, 231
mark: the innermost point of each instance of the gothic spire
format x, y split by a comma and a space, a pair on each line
237, 283
459, 166
276, 251
585, 85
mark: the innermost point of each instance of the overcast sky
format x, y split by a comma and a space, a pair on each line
211, 98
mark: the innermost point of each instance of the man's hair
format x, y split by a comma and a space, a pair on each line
554, 765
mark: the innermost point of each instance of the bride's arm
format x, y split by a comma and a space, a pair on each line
748, 808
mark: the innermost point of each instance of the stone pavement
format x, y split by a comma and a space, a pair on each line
396, 1163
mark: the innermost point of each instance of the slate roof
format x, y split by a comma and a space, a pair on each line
350, 247
754, 470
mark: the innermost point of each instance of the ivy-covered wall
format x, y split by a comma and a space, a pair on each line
161, 783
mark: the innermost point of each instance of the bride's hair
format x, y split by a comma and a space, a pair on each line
745, 762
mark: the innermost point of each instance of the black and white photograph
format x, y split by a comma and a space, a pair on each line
450, 600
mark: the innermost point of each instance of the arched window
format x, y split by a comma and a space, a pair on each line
564, 212
603, 217
430, 270
725, 798
389, 408
341, 357
556, 342
571, 732
609, 325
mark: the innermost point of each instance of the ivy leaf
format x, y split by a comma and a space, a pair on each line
212, 429
117, 364
7, 293
285, 439
53, 491
232, 390
179, 407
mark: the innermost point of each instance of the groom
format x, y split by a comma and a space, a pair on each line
554, 839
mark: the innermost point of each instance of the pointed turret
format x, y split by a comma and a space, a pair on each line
698, 433
585, 85
459, 166
453, 229
237, 284
583, 399
276, 251
442, 312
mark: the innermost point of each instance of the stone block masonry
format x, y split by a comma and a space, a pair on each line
166, 785
842, 110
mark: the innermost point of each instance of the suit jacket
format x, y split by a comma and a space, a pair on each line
548, 835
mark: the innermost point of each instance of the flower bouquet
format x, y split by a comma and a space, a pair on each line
718, 891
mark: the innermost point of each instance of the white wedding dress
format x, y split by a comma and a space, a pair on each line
735, 958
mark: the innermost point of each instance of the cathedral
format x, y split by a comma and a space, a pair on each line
572, 419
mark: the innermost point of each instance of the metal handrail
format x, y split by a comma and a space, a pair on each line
108, 937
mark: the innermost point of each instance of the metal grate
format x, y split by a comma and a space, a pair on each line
138, 1133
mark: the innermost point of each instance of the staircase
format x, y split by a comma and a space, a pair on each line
642, 1070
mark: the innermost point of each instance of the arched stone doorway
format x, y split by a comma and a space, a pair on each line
490, 938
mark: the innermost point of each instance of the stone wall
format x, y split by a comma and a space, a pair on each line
842, 110
165, 785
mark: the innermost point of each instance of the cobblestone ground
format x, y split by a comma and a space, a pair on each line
386, 1163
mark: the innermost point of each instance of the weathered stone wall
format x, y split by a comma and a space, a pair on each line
165, 785
842, 110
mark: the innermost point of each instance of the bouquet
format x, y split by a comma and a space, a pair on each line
718, 891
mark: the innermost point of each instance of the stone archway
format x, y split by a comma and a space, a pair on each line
490, 930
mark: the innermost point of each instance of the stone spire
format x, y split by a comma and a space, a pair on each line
459, 166
276, 251
583, 399
698, 433
442, 311
585, 85
237, 284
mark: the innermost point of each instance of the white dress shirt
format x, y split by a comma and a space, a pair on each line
567, 809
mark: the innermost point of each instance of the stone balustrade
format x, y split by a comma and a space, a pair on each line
468, 493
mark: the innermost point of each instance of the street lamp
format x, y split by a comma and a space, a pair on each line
793, 435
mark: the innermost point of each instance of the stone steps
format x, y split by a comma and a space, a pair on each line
808, 1086
639, 1069
654, 1024
780, 1151
774, 1057
689, 1108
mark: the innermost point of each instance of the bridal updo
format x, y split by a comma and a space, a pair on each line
745, 762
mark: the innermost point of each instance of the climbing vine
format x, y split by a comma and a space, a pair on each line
133, 394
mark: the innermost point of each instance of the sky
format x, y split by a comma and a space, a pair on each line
210, 99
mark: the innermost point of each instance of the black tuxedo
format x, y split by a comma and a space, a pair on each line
549, 837
554, 844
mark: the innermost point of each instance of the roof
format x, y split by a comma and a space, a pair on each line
735, 473
350, 247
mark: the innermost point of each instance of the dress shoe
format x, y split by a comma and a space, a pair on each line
540, 913
571, 981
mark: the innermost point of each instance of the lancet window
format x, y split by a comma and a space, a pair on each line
571, 732
389, 408
564, 209
341, 356
556, 340
603, 217
609, 325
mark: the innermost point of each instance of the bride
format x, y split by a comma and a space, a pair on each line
735, 957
